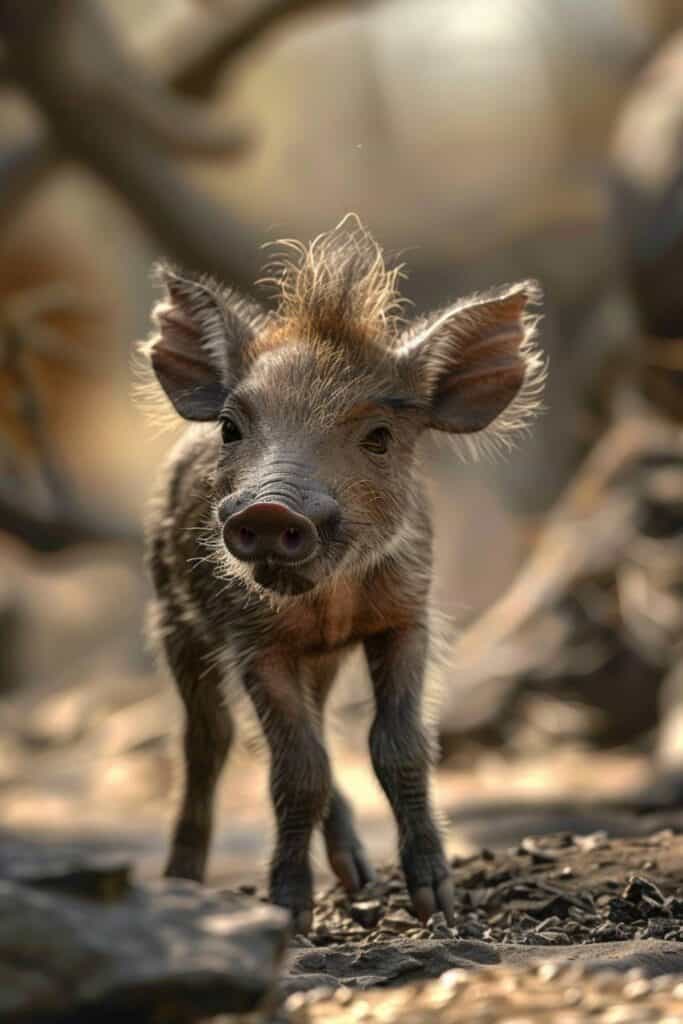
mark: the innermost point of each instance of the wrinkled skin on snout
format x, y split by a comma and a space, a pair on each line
291, 525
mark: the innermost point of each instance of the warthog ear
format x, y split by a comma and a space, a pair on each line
476, 358
195, 353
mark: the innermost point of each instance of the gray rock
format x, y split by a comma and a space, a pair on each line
94, 878
168, 950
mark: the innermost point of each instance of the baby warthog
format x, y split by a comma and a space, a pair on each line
292, 525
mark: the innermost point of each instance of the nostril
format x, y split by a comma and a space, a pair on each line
241, 540
292, 539
247, 538
270, 529
296, 543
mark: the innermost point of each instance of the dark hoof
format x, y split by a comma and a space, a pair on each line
345, 853
351, 867
293, 891
429, 882
427, 900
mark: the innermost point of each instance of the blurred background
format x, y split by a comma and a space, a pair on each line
481, 141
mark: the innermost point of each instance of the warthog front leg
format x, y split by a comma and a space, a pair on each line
300, 782
401, 756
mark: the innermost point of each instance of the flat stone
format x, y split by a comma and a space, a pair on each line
170, 948
385, 963
409, 960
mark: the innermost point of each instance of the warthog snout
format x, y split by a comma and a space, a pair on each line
269, 529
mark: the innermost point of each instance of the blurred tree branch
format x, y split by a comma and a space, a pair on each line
111, 111
220, 34
108, 111
586, 534
113, 117
56, 529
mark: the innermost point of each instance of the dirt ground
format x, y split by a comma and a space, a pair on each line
93, 765
563, 928
545, 994
544, 895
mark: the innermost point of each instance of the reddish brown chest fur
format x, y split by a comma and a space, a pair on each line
342, 615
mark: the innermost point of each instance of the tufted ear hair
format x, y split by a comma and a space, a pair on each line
195, 353
476, 358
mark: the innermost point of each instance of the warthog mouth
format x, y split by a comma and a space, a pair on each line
281, 579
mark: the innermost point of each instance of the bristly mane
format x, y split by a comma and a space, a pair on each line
337, 288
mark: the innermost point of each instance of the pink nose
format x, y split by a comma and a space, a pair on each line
268, 528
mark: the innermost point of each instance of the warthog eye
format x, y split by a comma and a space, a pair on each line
230, 432
377, 441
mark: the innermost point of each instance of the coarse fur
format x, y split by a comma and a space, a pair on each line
308, 417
